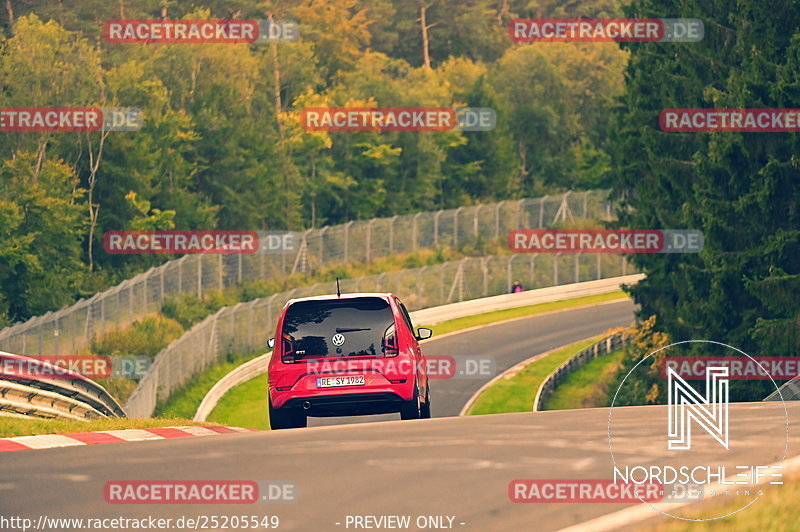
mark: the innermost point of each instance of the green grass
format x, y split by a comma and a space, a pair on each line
516, 394
184, 402
244, 406
10, 426
587, 386
530, 310
775, 511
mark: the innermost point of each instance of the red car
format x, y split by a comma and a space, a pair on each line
343, 355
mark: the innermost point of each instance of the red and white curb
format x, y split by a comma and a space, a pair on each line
48, 441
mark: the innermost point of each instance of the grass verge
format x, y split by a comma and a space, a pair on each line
776, 511
244, 406
185, 402
517, 392
587, 386
530, 310
10, 426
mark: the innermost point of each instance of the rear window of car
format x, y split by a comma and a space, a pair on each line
309, 327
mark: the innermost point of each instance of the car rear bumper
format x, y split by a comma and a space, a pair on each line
347, 404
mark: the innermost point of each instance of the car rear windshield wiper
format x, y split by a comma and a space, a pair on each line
351, 329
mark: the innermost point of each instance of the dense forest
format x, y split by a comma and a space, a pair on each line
222, 148
741, 189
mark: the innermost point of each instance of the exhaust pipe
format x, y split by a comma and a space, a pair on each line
306, 405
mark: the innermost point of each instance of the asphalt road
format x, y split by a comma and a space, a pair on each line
507, 343
457, 467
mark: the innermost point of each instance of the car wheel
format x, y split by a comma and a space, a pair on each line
425, 410
286, 418
411, 409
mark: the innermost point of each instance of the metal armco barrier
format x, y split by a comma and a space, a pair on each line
69, 396
431, 316
602, 347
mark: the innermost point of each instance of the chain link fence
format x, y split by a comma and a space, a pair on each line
72, 329
244, 328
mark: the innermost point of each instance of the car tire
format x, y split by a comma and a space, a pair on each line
286, 418
411, 409
425, 410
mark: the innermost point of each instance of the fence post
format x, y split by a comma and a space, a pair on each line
577, 268
585, 198
624, 265
436, 227
347, 239
599, 274
533, 271
180, 274
199, 276
240, 268
497, 219
520, 206
510, 273
555, 269
485, 272
369, 238
541, 211
221, 265
414, 230
475, 221
455, 227
391, 234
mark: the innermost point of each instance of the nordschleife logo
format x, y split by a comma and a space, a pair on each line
686, 404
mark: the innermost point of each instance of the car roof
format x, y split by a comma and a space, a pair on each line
383, 295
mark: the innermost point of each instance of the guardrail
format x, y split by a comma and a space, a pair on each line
788, 391
602, 347
67, 395
432, 316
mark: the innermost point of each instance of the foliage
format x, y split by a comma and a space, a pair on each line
221, 146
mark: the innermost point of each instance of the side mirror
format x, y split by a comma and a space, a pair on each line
423, 333
271, 343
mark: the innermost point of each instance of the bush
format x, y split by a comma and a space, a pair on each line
146, 337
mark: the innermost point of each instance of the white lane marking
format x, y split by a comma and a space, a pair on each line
45, 441
134, 435
197, 431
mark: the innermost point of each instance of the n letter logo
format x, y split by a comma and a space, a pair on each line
685, 405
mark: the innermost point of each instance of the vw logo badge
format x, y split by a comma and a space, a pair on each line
338, 340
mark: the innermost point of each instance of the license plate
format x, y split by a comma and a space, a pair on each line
333, 382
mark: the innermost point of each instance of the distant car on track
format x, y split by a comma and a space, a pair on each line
348, 354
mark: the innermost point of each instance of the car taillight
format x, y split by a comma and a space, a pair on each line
288, 349
390, 345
